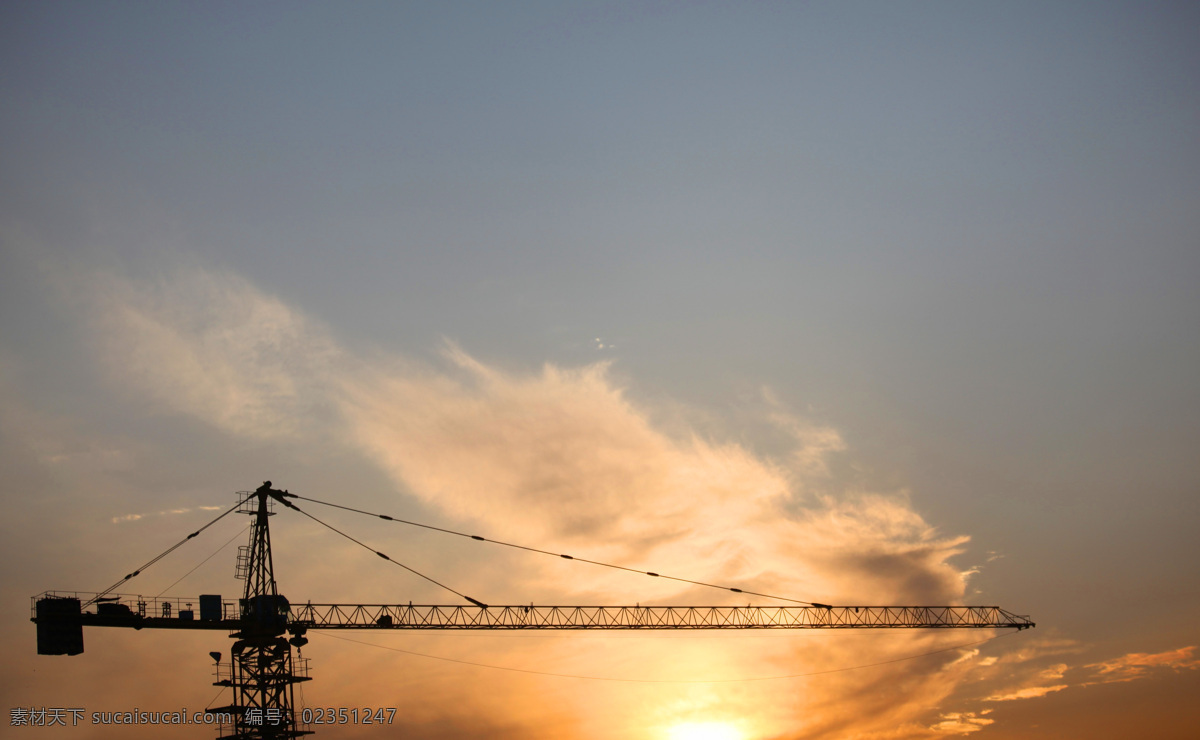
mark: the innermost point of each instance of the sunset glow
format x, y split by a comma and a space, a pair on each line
704, 731
583, 308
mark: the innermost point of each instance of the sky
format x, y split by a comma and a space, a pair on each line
855, 303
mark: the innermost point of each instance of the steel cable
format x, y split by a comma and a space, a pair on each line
559, 555
380, 554
165, 553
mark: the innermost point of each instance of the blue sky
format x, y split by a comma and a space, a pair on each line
929, 260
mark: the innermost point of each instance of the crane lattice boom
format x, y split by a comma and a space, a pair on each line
128, 611
384, 616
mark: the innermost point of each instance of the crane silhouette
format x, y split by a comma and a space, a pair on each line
266, 626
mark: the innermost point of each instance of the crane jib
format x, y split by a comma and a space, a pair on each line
59, 617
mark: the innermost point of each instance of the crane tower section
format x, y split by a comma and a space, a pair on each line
262, 673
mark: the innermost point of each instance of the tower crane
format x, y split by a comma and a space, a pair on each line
265, 625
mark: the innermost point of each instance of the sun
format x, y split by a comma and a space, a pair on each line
704, 731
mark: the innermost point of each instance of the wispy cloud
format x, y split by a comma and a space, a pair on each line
211, 345
1031, 692
561, 458
1133, 666
961, 723
814, 444
168, 512
1024, 674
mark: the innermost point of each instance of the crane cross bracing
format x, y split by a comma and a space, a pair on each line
385, 616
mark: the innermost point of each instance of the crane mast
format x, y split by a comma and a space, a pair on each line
262, 674
265, 626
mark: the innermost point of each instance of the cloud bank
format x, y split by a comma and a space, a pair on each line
1140, 665
561, 458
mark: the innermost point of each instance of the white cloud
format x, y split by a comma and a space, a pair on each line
814, 444
562, 459
213, 346
169, 512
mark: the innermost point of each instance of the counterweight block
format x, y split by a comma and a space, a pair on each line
59, 626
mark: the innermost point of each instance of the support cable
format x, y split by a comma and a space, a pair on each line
380, 554
205, 560
559, 555
214, 699
165, 553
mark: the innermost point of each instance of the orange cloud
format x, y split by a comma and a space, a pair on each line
1022, 675
1138, 665
961, 723
561, 458
1031, 692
